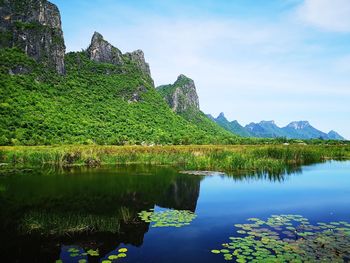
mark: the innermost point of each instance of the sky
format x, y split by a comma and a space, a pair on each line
282, 60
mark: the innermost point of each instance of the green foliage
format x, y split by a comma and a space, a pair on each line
93, 104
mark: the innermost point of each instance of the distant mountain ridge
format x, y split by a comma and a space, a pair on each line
268, 129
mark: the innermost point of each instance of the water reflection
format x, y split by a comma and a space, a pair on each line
90, 208
44, 213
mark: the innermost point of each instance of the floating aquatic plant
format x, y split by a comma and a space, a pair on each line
93, 253
168, 218
288, 238
119, 253
78, 252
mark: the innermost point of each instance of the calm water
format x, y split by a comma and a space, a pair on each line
41, 210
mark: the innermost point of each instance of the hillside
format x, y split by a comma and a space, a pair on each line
182, 98
94, 103
99, 95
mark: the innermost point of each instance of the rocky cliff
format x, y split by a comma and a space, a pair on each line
180, 96
102, 51
138, 58
33, 26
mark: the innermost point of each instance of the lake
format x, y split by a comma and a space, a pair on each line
156, 214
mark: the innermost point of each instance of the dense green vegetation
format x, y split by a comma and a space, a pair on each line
273, 158
95, 103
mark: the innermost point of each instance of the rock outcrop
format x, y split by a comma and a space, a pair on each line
138, 58
102, 51
34, 26
180, 96
298, 125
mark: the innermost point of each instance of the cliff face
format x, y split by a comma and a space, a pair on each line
33, 26
180, 96
138, 58
102, 51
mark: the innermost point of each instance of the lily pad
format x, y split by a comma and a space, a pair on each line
121, 255
113, 257
168, 218
288, 238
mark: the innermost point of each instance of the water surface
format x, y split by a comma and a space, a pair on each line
54, 214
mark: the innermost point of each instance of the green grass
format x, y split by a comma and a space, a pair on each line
259, 158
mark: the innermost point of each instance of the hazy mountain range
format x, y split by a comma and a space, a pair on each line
268, 129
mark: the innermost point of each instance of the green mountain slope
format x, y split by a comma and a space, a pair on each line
93, 103
182, 98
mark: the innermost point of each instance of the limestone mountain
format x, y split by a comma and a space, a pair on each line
182, 98
268, 129
102, 51
138, 58
265, 129
33, 26
105, 96
304, 130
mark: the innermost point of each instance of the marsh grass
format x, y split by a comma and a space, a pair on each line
67, 223
260, 158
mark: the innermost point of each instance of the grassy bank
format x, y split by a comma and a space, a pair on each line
223, 158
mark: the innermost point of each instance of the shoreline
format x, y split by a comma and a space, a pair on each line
222, 158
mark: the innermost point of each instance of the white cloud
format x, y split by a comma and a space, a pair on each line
330, 15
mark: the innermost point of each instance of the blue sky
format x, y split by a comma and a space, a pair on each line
281, 60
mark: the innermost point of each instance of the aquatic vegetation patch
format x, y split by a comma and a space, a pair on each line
288, 238
66, 223
80, 255
168, 218
116, 255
